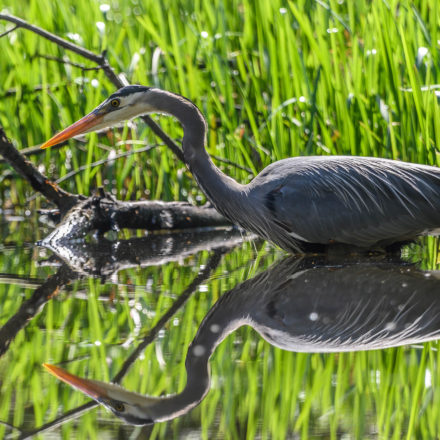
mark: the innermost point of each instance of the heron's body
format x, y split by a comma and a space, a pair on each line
359, 201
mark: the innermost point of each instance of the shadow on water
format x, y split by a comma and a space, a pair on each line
298, 304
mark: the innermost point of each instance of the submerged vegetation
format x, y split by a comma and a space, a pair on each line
274, 79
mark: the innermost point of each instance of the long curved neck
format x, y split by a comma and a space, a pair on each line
221, 320
223, 191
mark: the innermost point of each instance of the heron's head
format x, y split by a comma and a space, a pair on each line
133, 408
125, 104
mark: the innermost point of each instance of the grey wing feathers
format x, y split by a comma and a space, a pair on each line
359, 201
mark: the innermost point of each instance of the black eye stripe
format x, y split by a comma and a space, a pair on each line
128, 90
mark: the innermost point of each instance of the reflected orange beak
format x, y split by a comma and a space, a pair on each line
91, 388
83, 125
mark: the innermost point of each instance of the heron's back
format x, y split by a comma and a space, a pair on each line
354, 200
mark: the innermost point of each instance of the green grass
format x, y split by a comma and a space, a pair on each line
274, 79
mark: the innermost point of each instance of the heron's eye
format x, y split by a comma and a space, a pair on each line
115, 103
119, 407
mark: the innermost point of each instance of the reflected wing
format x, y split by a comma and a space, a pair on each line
359, 201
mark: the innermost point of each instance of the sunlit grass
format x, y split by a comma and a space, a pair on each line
274, 79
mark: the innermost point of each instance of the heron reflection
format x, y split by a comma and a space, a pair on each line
296, 306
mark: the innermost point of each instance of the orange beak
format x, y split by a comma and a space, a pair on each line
89, 387
84, 125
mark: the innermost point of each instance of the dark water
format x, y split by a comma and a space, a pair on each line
237, 339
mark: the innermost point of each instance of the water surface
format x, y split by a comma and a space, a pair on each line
294, 331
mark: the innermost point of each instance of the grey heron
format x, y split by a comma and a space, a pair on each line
357, 201
296, 306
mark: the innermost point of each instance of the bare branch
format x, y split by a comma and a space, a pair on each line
32, 306
63, 199
98, 59
103, 213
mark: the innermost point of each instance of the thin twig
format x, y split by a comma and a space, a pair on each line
104, 161
72, 414
230, 162
8, 425
30, 151
8, 31
68, 62
38, 88
164, 137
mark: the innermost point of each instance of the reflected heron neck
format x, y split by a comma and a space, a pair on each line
213, 330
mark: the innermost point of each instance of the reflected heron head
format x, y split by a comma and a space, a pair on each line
131, 407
